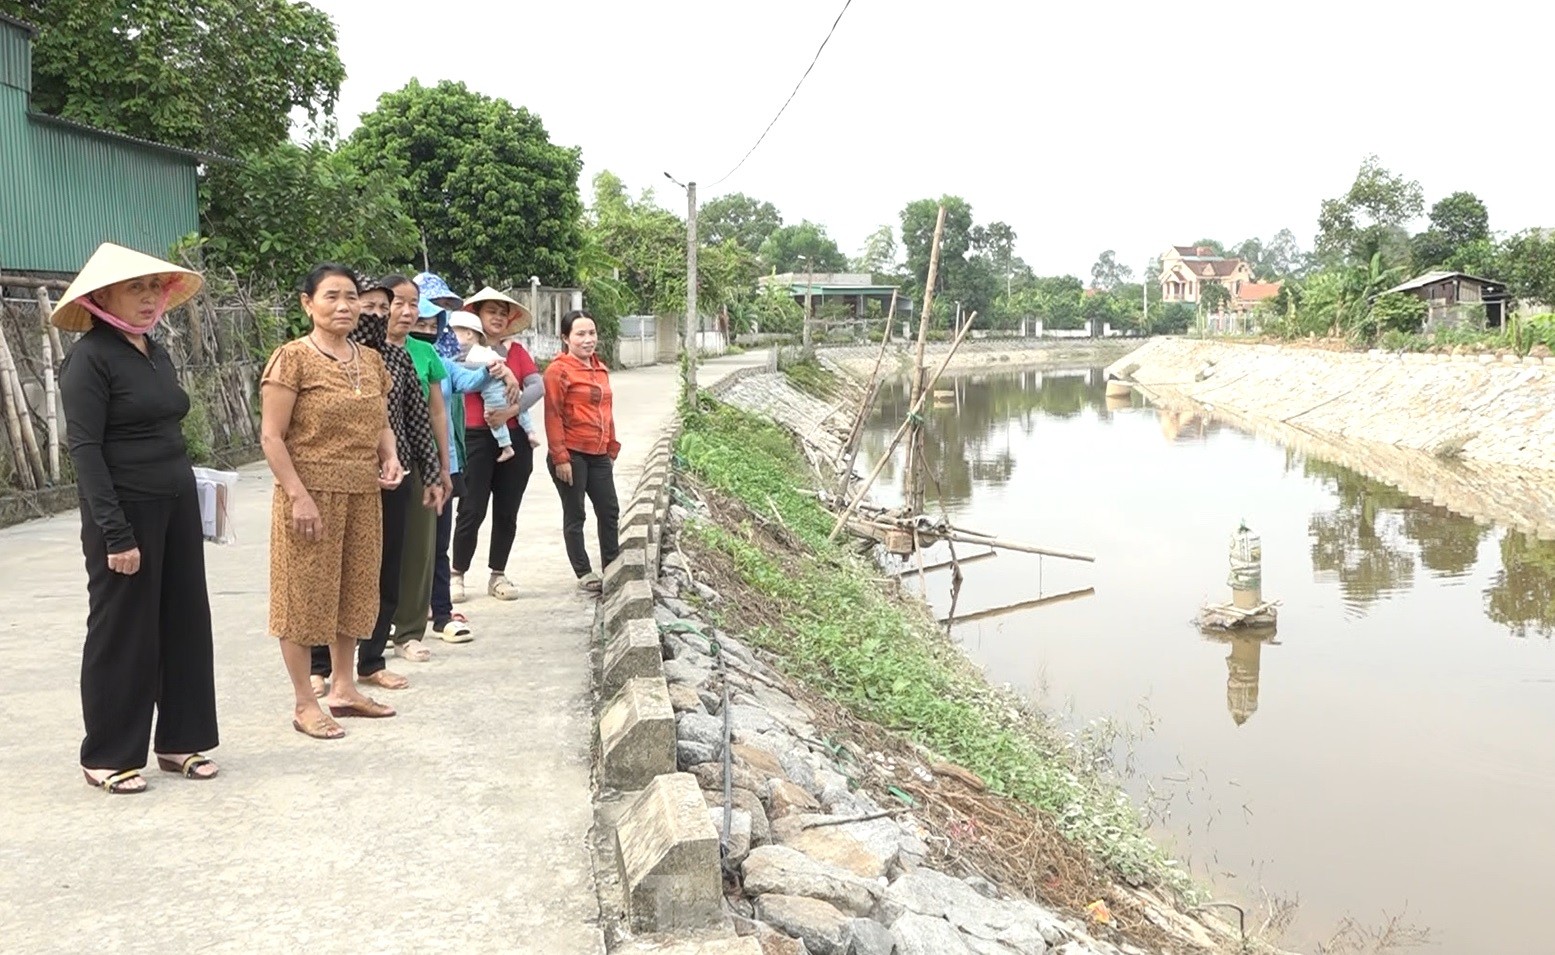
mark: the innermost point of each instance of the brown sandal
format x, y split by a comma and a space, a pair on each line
321, 728
116, 784
367, 709
187, 768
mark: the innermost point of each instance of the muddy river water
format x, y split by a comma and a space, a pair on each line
1390, 751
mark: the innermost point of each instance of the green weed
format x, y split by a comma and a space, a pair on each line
884, 659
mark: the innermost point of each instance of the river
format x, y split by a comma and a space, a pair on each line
1385, 754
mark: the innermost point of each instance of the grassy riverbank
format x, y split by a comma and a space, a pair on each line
822, 611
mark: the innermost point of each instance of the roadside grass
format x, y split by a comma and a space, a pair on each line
809, 376
824, 615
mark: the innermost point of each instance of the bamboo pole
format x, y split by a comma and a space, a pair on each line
856, 433
945, 564
914, 488
50, 391
20, 281
912, 413
988, 540
13, 423
1025, 605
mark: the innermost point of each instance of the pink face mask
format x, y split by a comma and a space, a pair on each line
121, 324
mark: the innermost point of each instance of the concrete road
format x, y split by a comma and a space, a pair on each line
458, 826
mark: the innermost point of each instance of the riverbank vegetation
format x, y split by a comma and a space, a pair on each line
823, 612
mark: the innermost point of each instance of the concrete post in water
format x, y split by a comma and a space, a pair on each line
1246, 578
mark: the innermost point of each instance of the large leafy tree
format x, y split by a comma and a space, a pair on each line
783, 249
739, 218
1528, 259
1460, 229
643, 246
1108, 273
495, 200
272, 217
1371, 217
221, 76
879, 254
918, 220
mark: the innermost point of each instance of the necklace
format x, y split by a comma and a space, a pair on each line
350, 367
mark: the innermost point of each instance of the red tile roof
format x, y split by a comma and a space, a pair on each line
1258, 291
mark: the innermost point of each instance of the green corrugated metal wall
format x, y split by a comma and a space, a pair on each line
15, 57
64, 191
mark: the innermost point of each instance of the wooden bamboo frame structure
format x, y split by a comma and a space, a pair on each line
50, 386
18, 420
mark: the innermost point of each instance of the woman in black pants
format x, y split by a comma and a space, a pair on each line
148, 629
580, 434
502, 484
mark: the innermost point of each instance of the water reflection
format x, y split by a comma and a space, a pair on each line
1398, 654
1371, 542
1522, 598
1242, 665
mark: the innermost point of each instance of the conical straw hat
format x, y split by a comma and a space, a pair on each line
111, 264
518, 319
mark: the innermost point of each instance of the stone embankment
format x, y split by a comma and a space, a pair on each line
796, 859
1472, 433
984, 354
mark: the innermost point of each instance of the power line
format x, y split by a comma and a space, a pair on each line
813, 61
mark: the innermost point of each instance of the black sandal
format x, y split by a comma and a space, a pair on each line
114, 785
187, 768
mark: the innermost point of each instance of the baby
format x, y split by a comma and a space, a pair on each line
474, 353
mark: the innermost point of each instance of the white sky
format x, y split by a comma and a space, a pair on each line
1085, 126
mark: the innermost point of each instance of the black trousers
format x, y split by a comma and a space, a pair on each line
593, 476
369, 652
148, 639
485, 480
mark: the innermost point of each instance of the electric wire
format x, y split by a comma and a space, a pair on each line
760, 139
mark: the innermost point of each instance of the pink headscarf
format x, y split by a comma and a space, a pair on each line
121, 324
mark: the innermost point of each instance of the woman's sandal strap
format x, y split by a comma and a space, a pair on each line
115, 783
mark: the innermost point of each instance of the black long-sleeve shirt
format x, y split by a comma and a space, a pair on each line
122, 417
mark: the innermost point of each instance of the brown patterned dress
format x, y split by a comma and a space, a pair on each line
327, 589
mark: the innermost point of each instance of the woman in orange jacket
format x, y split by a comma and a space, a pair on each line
580, 433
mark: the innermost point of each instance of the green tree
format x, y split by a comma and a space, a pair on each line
918, 220
1528, 261
1397, 311
879, 255
782, 250
496, 201
219, 76
273, 216
1213, 297
1283, 258
739, 218
1371, 216
1460, 230
1108, 273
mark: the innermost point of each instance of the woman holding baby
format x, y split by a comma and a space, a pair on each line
496, 472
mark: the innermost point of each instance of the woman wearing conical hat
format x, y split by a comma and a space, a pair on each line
148, 637
499, 484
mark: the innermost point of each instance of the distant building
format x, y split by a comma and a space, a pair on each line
852, 289
66, 187
1186, 269
1455, 298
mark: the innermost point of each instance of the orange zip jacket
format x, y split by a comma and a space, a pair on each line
579, 411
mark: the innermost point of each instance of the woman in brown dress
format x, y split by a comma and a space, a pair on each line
326, 435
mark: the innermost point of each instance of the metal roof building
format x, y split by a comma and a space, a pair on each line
66, 187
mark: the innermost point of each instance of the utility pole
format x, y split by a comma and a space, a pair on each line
691, 293
1144, 287
809, 280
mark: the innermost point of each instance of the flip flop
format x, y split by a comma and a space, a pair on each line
114, 785
322, 728
187, 768
370, 710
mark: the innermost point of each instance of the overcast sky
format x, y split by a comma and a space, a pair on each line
1085, 126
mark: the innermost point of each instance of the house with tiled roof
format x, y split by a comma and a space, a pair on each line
1186, 269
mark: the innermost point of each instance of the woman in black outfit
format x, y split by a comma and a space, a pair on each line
148, 636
